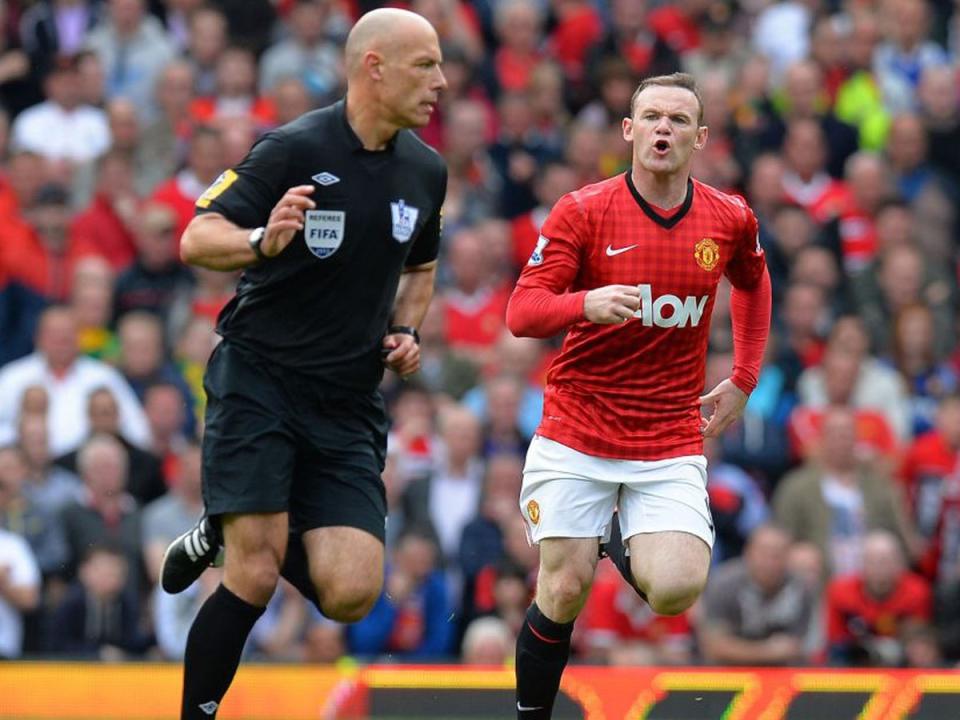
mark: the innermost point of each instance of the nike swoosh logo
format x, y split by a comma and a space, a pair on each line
611, 252
521, 708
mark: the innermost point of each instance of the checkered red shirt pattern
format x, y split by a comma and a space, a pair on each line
631, 391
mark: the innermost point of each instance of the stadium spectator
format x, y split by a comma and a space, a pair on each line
50, 487
98, 618
940, 111
443, 370
62, 129
306, 55
487, 641
207, 42
737, 503
91, 300
859, 100
411, 619
22, 515
69, 378
449, 497
19, 591
755, 611
163, 144
105, 225
166, 413
55, 28
629, 37
929, 476
206, 159
133, 48
144, 479
105, 513
836, 501
291, 99
867, 611
235, 93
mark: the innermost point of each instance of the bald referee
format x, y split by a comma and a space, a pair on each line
335, 220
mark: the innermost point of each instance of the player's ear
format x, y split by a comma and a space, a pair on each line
627, 128
701, 137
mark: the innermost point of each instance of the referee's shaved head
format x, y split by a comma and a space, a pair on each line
383, 31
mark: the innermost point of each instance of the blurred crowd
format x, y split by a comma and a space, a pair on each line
836, 500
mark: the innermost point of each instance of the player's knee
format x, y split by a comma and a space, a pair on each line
349, 602
257, 577
673, 598
565, 590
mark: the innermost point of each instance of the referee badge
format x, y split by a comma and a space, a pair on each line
323, 231
404, 220
707, 254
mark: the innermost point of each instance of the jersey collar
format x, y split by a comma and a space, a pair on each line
351, 138
648, 209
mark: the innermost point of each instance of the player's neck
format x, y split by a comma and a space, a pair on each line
662, 191
364, 119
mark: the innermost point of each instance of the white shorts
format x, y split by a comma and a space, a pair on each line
567, 493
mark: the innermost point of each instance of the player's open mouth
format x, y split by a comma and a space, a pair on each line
662, 147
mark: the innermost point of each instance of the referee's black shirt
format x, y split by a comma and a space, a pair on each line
322, 306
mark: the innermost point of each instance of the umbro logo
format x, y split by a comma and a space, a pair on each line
209, 707
611, 251
325, 178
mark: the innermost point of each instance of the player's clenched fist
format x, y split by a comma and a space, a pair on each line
286, 219
611, 304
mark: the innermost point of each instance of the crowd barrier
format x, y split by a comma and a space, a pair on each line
78, 691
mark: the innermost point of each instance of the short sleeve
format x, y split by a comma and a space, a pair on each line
246, 194
427, 245
746, 267
556, 259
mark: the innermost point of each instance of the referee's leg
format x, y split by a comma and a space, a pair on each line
346, 567
255, 546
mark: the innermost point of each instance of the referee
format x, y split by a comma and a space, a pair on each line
335, 219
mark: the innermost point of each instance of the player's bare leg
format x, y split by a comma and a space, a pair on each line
346, 566
255, 548
543, 647
670, 568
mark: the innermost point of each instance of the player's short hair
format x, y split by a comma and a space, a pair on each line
677, 79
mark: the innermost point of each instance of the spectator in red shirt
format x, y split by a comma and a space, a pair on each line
866, 612
236, 92
105, 224
931, 474
553, 181
806, 181
205, 161
519, 28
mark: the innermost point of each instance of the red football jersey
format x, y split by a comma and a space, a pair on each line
631, 390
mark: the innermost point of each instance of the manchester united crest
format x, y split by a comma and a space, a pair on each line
533, 511
707, 254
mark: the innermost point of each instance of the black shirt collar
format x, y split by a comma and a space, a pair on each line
648, 209
354, 143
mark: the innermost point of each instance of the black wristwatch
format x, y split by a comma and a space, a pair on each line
404, 330
255, 239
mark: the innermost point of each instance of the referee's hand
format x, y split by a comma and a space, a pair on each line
401, 354
286, 219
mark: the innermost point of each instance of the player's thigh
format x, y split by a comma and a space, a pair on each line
565, 493
248, 448
665, 520
346, 565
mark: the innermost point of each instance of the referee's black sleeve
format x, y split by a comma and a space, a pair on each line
246, 194
427, 245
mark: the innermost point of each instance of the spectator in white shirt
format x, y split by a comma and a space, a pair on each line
69, 379
62, 128
19, 591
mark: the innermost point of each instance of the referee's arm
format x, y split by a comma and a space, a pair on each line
213, 242
414, 294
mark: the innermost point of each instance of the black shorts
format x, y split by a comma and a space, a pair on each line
277, 441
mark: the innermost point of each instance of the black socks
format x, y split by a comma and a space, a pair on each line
214, 647
543, 649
